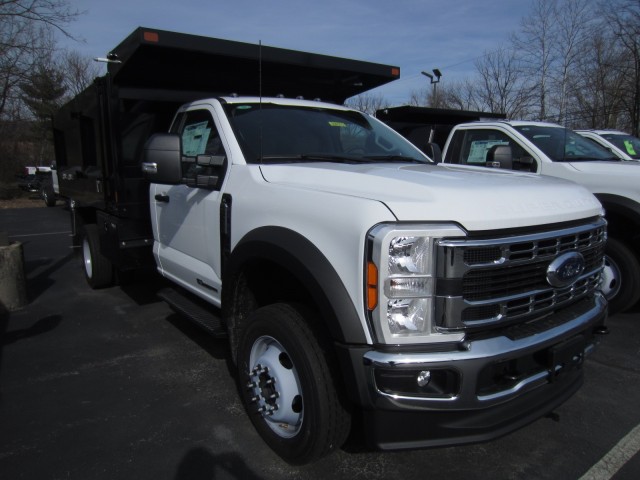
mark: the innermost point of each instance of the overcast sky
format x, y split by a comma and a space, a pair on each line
415, 35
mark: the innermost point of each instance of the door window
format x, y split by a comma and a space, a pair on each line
477, 145
203, 154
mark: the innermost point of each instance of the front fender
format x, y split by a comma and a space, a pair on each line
308, 265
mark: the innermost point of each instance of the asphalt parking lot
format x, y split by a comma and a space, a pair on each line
111, 384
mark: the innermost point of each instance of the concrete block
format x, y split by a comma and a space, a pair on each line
13, 284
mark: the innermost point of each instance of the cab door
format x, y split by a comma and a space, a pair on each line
187, 216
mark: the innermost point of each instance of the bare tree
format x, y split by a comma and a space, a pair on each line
502, 87
534, 46
55, 14
596, 88
624, 21
573, 31
368, 102
27, 29
26, 36
80, 72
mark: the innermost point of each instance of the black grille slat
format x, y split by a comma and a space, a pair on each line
505, 281
478, 285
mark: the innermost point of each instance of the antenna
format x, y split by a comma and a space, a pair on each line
260, 94
260, 69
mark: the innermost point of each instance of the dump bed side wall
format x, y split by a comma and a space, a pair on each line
99, 137
79, 148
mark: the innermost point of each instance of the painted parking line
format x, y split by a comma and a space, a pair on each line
615, 459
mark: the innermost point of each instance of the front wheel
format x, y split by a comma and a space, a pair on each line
621, 277
98, 270
289, 385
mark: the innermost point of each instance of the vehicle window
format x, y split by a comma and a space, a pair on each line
564, 145
626, 143
477, 145
281, 133
199, 136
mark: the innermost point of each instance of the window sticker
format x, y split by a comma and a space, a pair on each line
195, 138
479, 149
338, 124
629, 146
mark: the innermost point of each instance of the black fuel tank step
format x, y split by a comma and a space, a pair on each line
192, 308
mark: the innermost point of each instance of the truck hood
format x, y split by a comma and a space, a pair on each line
614, 178
476, 198
621, 169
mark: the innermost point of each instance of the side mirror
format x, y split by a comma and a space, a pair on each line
433, 152
500, 156
212, 167
162, 159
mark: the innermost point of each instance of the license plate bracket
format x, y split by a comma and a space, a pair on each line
565, 357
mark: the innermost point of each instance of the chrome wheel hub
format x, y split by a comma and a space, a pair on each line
274, 387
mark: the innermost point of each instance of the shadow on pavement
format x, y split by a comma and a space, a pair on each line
217, 348
37, 285
43, 325
142, 286
200, 464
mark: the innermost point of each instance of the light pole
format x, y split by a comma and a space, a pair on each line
435, 79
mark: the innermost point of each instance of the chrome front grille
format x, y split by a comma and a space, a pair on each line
486, 282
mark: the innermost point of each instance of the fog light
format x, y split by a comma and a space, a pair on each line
424, 377
408, 382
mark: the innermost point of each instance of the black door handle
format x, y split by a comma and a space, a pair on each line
162, 198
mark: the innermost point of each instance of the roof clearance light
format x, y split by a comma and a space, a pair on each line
395, 72
150, 37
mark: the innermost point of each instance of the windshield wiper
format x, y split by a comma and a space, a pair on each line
339, 158
394, 158
590, 159
315, 157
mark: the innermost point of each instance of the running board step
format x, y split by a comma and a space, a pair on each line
194, 311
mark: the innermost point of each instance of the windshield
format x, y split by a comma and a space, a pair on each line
564, 145
627, 143
272, 133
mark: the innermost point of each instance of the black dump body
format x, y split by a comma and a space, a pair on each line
100, 134
421, 125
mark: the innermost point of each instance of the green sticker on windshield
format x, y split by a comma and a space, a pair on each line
337, 124
629, 146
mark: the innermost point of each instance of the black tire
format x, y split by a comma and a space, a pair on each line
48, 195
301, 415
621, 277
98, 270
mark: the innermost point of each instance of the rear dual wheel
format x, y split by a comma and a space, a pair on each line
98, 270
288, 383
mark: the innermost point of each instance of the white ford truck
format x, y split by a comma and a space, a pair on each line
352, 277
550, 149
476, 139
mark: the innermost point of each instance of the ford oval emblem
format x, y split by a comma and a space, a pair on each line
565, 269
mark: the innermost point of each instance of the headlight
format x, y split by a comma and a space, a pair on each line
400, 281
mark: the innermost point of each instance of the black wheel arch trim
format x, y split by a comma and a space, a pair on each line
620, 205
299, 256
